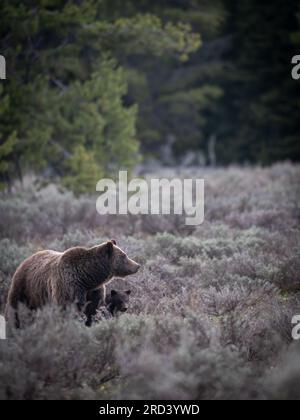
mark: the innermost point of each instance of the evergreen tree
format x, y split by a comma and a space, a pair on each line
261, 98
66, 90
178, 97
8, 140
88, 81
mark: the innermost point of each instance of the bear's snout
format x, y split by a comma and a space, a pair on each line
135, 267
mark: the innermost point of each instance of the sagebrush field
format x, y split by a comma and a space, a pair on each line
210, 312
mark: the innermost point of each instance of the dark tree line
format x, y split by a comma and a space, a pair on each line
94, 86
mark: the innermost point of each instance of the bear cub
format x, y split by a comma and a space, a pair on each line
116, 302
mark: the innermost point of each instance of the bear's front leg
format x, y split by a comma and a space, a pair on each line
94, 299
80, 299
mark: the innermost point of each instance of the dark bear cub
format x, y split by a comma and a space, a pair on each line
116, 302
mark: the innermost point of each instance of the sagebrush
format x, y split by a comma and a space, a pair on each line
210, 312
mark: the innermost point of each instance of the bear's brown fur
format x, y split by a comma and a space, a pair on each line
66, 278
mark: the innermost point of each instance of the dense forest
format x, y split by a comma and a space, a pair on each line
94, 86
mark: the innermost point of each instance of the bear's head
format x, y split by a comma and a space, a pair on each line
121, 265
118, 301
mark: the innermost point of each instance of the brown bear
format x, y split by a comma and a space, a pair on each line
66, 278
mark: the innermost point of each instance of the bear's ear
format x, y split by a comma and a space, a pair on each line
128, 292
109, 248
113, 242
113, 293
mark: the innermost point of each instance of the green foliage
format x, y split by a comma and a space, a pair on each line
8, 140
67, 94
82, 171
147, 34
261, 93
91, 133
176, 98
90, 81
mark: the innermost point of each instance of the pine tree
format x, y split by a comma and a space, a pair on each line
67, 91
261, 97
178, 97
8, 140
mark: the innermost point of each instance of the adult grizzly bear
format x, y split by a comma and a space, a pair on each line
66, 278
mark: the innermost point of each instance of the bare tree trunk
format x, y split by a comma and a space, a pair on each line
212, 156
19, 171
